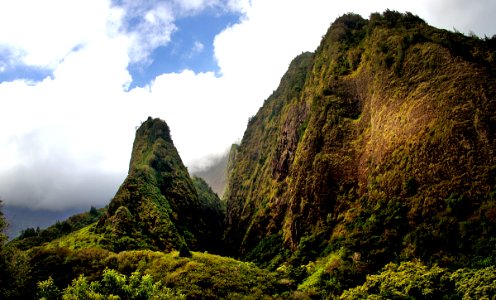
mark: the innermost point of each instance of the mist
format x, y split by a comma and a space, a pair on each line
45, 186
52, 178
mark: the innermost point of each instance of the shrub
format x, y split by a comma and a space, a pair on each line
113, 285
408, 280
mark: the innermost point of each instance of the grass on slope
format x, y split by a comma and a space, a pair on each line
82, 238
201, 276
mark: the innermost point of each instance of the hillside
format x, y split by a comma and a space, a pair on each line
31, 237
158, 206
378, 147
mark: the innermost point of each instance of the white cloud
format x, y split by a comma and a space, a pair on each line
189, 7
194, 5
475, 16
198, 47
149, 26
81, 121
42, 33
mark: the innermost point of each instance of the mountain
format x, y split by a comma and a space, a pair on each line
21, 218
158, 206
377, 147
215, 174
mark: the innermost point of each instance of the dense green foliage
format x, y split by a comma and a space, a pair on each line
14, 267
414, 280
200, 276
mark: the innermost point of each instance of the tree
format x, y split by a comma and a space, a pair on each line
476, 284
29, 232
93, 211
3, 226
14, 267
47, 290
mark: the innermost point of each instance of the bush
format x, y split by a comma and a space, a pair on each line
476, 284
408, 280
47, 290
113, 285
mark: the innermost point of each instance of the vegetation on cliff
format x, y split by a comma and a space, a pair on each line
378, 147
158, 207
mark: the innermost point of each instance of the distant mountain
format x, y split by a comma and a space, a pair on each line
31, 236
215, 174
378, 147
20, 218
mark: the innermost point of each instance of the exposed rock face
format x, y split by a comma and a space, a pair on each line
381, 142
158, 205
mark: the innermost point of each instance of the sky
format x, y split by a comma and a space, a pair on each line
77, 77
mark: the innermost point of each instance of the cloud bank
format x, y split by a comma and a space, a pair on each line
66, 140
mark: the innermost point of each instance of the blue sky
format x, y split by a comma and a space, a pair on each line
16, 72
191, 48
77, 77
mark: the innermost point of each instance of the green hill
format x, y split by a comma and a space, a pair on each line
31, 237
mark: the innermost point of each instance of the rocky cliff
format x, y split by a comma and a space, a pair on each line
380, 143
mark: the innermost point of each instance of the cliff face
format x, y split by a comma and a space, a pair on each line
381, 142
158, 205
258, 166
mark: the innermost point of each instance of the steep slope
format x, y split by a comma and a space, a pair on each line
158, 206
380, 144
258, 166
212, 211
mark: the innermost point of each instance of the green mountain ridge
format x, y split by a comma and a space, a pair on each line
381, 142
368, 173
157, 206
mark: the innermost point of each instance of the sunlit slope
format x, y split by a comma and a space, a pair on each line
380, 143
